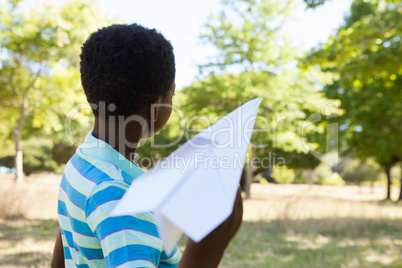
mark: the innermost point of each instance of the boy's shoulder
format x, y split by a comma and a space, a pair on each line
95, 185
88, 174
97, 173
97, 162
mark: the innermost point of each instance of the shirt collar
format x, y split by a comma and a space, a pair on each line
98, 149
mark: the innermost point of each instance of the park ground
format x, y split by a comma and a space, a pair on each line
284, 226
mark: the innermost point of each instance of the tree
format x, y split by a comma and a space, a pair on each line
357, 171
255, 59
366, 56
303, 161
316, 3
39, 79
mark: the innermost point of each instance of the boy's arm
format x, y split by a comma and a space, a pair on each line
209, 252
58, 253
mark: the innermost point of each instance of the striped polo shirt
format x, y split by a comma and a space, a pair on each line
94, 180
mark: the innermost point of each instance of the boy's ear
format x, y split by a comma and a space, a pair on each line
155, 109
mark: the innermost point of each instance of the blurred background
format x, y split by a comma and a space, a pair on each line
329, 126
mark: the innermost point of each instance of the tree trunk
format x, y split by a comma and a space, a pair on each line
359, 189
400, 191
247, 176
259, 170
18, 158
310, 178
389, 182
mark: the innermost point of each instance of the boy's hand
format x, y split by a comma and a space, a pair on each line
209, 252
58, 253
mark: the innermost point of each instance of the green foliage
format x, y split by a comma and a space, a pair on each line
39, 64
42, 155
323, 175
255, 59
365, 57
248, 33
38, 156
7, 161
62, 152
356, 171
5, 138
296, 160
39, 74
300, 176
283, 175
316, 3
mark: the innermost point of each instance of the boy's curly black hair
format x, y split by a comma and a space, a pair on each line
126, 65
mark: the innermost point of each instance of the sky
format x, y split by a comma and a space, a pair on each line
181, 22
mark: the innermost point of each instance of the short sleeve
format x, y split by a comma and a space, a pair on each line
170, 261
127, 241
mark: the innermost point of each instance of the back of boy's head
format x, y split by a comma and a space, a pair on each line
128, 66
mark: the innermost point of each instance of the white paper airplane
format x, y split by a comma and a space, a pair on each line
193, 190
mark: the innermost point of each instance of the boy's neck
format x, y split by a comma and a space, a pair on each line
123, 138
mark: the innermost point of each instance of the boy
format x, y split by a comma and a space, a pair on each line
127, 72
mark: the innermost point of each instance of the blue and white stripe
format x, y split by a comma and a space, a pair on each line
94, 180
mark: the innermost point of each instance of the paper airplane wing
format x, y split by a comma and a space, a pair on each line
197, 195
230, 137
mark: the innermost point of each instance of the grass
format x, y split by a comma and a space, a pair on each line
27, 243
276, 245
284, 226
340, 234
306, 230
